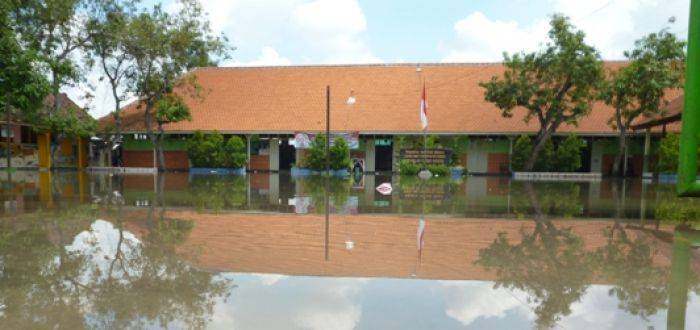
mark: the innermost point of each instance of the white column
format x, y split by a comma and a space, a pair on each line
274, 154
596, 157
647, 147
248, 138
369, 156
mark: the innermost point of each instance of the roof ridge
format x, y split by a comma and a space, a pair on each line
362, 65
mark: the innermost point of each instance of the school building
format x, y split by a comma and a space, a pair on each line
31, 149
278, 110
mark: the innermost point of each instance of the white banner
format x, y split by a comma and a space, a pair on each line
304, 140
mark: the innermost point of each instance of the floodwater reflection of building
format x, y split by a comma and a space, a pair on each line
383, 245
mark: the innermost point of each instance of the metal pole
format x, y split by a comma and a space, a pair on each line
690, 133
678, 289
328, 130
328, 173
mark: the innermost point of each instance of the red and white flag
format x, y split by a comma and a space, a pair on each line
424, 110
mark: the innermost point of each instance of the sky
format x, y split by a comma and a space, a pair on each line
309, 32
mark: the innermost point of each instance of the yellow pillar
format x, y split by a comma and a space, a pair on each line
82, 160
44, 145
45, 191
82, 186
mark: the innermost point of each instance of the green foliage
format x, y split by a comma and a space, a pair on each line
316, 157
568, 155
70, 122
677, 210
218, 193
555, 85
438, 169
521, 152
656, 64
235, 153
211, 150
560, 199
550, 264
171, 109
565, 157
339, 154
21, 86
668, 154
407, 167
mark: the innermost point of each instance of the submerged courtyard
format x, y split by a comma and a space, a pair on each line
276, 251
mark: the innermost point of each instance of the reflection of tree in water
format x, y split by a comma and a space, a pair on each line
553, 267
549, 264
216, 193
640, 286
47, 282
550, 199
338, 188
434, 195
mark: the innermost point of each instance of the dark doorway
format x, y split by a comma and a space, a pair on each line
287, 155
383, 157
586, 155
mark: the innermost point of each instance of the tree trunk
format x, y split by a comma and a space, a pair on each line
622, 145
149, 131
159, 148
8, 127
540, 141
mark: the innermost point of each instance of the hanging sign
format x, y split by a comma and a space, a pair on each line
304, 140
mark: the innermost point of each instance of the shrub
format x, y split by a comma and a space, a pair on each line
521, 152
339, 154
210, 150
668, 154
235, 153
409, 168
438, 169
316, 157
568, 155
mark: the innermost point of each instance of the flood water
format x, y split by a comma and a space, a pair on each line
268, 251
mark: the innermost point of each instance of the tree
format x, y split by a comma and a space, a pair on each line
171, 109
550, 264
554, 85
109, 25
639, 89
164, 47
568, 155
316, 157
21, 86
565, 157
340, 155
235, 152
56, 31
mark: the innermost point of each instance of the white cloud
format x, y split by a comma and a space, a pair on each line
318, 31
610, 26
466, 301
268, 57
480, 39
336, 28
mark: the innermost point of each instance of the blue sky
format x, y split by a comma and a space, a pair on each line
301, 32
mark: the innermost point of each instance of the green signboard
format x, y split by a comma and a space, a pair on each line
382, 142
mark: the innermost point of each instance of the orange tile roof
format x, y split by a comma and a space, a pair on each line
671, 116
291, 99
384, 245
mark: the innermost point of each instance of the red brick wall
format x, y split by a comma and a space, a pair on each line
498, 163
260, 162
635, 162
174, 160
